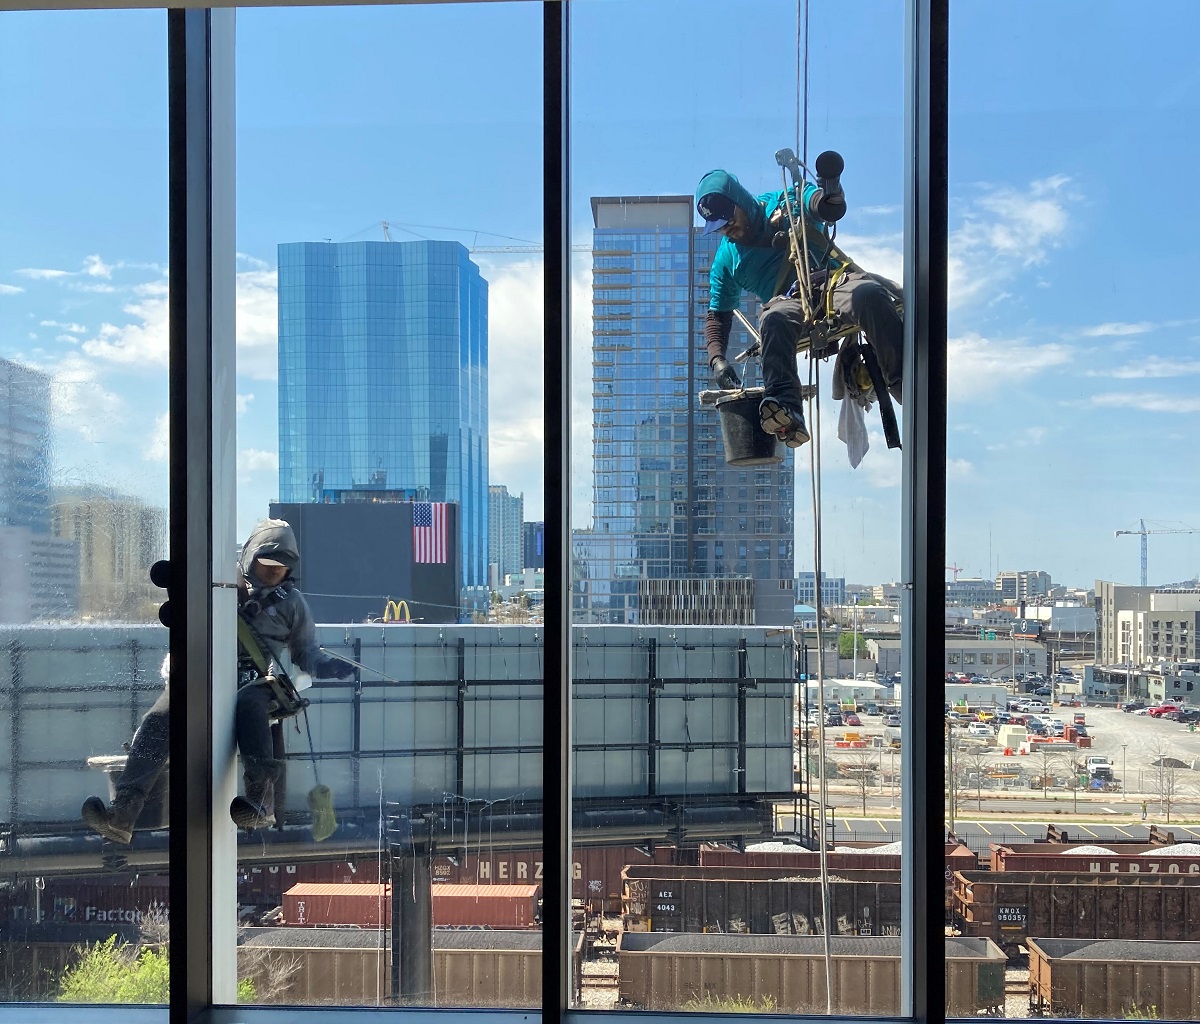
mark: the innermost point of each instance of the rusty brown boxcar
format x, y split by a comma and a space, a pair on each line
959, 857
1114, 978
1010, 906
762, 901
1126, 858
595, 870
786, 973
369, 905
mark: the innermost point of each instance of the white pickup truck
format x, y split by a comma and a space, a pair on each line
1099, 767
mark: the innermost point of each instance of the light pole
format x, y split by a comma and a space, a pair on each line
854, 627
1124, 785
892, 754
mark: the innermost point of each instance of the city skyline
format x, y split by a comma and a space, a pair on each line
1050, 390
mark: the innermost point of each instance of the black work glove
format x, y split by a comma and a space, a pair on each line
335, 668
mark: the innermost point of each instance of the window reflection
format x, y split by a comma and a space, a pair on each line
83, 491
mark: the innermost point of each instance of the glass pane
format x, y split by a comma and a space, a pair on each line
1071, 372
735, 709
83, 503
390, 421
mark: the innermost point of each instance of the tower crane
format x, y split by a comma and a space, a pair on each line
1144, 533
387, 237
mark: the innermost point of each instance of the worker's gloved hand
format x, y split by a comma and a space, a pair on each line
335, 668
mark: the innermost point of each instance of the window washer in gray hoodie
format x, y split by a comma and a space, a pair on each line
278, 616
750, 259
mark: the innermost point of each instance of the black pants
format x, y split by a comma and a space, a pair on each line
149, 749
858, 297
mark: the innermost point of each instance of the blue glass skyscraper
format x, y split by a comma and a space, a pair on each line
667, 507
383, 388
24, 447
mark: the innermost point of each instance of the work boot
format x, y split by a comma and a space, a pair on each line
784, 421
257, 808
724, 374
116, 822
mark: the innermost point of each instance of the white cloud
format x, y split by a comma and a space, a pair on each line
243, 403
10, 289
516, 372
98, 289
82, 403
157, 446
141, 343
68, 339
94, 266
257, 324
255, 461
978, 366
1002, 231
1116, 330
72, 327
1151, 366
253, 262
42, 274
1146, 401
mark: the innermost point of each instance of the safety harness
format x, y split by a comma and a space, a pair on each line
286, 701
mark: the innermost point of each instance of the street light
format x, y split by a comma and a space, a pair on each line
1124, 786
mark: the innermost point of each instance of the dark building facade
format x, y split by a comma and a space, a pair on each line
358, 561
533, 545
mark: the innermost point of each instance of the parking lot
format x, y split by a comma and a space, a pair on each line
1133, 743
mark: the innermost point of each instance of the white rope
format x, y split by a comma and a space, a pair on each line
804, 280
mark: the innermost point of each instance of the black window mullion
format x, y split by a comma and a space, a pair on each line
556, 750
924, 507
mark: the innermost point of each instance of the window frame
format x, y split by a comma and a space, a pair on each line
201, 49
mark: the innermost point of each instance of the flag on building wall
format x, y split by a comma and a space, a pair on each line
430, 543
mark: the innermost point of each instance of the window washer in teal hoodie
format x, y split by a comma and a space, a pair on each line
750, 259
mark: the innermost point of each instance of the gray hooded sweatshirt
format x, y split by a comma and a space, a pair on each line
279, 615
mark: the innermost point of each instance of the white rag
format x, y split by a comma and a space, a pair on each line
852, 429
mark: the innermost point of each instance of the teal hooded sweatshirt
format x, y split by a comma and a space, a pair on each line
753, 268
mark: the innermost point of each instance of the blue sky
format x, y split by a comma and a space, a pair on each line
1074, 354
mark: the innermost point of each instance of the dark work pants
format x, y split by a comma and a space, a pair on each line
858, 297
150, 747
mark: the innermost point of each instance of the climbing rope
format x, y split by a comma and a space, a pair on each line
804, 287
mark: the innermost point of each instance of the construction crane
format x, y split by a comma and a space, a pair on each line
956, 569
387, 237
1144, 533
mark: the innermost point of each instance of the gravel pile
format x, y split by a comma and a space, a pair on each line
761, 945
887, 848
1088, 851
1117, 951
317, 938
1178, 850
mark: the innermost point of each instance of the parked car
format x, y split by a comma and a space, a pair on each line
893, 721
1162, 709
1056, 727
853, 719
833, 718
873, 709
1081, 729
979, 729
1130, 706
1043, 691
1186, 715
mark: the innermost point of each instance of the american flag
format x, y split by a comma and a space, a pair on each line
429, 532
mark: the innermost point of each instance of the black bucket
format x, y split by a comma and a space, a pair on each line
746, 443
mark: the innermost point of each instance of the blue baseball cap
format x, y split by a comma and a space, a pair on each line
717, 211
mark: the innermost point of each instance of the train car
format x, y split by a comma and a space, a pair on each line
92, 900
786, 973
853, 856
763, 901
1008, 907
369, 905
595, 870
1118, 979
1094, 858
